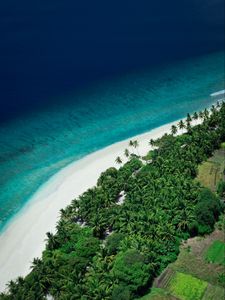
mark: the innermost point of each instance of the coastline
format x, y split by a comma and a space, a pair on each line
24, 237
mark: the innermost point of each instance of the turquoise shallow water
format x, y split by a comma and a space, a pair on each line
36, 146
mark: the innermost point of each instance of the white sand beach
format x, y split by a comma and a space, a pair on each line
24, 238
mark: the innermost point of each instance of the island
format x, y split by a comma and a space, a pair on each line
128, 236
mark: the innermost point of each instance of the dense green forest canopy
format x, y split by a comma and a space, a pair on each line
106, 248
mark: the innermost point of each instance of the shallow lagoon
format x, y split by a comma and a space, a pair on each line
34, 147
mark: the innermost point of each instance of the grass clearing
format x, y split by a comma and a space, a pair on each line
199, 279
211, 171
216, 253
214, 293
187, 287
198, 267
158, 294
223, 145
193, 262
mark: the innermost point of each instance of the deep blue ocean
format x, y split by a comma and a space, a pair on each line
76, 76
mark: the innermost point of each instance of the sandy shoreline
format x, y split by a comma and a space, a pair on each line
24, 237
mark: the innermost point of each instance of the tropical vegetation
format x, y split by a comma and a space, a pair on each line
105, 248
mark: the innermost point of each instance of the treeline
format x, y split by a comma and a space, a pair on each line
118, 236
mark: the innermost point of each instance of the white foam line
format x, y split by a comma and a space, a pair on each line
217, 93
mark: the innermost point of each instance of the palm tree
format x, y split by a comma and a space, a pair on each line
152, 142
118, 160
126, 152
213, 109
173, 129
51, 241
98, 225
189, 119
131, 143
218, 104
136, 145
195, 116
12, 287
20, 280
181, 125
62, 213
206, 113
36, 263
201, 115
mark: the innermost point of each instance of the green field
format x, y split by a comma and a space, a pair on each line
191, 276
216, 253
211, 171
187, 287
191, 264
191, 259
